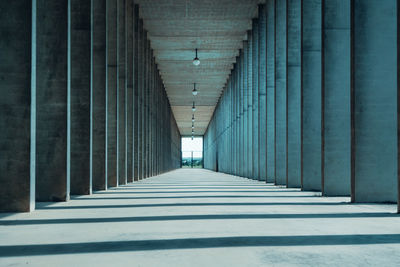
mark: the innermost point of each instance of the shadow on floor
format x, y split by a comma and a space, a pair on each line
196, 243
48, 206
121, 191
196, 217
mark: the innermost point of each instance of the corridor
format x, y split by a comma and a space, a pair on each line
195, 217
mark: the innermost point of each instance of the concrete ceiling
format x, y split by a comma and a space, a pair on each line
176, 28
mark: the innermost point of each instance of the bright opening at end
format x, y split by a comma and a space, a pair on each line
192, 152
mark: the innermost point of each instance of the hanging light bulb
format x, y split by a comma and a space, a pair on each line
196, 60
193, 118
194, 92
193, 107
192, 137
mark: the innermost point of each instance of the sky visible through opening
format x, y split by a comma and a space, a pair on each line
195, 145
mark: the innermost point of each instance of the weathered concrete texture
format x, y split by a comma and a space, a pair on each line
98, 94
247, 108
375, 98
262, 93
202, 218
337, 114
270, 94
294, 93
17, 107
280, 92
80, 68
136, 94
111, 94
121, 94
130, 48
140, 99
250, 128
255, 80
311, 93
52, 182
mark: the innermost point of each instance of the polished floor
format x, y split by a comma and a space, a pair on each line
202, 218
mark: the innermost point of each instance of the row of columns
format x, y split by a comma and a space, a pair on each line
321, 80
83, 106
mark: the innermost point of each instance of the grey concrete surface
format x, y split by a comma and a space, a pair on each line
80, 83
270, 94
262, 93
311, 95
202, 218
337, 111
130, 48
280, 92
111, 94
375, 98
17, 107
121, 93
52, 101
294, 93
255, 78
98, 94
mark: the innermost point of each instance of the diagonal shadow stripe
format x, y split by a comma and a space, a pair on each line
122, 191
196, 217
196, 243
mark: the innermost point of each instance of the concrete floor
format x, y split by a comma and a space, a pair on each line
201, 218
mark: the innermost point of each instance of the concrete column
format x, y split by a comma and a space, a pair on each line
140, 98
242, 112
129, 32
244, 85
136, 87
311, 95
98, 95
80, 70
336, 88
270, 65
17, 105
121, 93
250, 105
111, 94
375, 124
255, 78
262, 92
52, 99
280, 93
294, 93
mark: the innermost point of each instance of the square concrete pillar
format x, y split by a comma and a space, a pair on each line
375, 94
80, 90
336, 88
255, 87
140, 99
294, 93
136, 95
130, 46
280, 92
98, 95
121, 93
270, 93
312, 95
111, 94
52, 101
262, 92
250, 104
17, 105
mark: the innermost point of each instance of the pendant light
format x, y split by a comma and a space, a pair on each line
194, 92
196, 60
193, 107
193, 118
